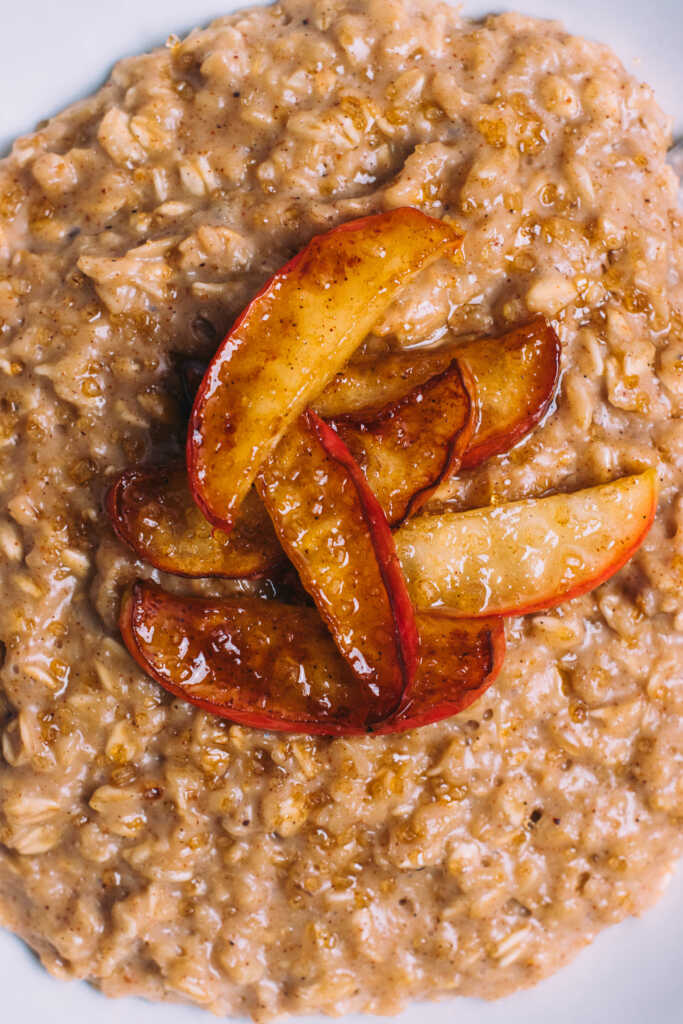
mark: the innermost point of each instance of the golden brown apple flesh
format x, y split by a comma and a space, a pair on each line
515, 376
408, 447
274, 666
335, 533
459, 659
153, 512
526, 555
259, 663
291, 340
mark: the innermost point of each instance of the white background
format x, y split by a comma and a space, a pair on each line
56, 51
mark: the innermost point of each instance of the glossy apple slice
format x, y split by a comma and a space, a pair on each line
152, 511
366, 384
409, 446
515, 377
259, 663
334, 531
406, 449
459, 659
291, 340
527, 555
274, 666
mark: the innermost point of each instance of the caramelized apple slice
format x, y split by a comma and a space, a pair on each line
367, 384
338, 539
274, 666
259, 663
292, 339
408, 447
152, 510
515, 377
406, 450
459, 659
526, 555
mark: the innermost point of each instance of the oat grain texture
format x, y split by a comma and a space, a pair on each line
153, 849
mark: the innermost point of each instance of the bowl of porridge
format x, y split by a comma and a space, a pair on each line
253, 855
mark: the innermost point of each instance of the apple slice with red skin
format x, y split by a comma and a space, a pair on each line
409, 446
336, 535
526, 555
291, 340
259, 663
274, 666
515, 376
459, 659
368, 383
152, 511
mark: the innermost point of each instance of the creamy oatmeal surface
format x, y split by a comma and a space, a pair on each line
154, 849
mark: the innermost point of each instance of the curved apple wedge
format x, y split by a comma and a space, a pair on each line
459, 659
334, 531
259, 663
291, 340
515, 377
274, 666
409, 446
365, 385
152, 511
527, 555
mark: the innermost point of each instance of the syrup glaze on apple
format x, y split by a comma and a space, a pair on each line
256, 873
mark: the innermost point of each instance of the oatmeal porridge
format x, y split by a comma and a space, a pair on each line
153, 848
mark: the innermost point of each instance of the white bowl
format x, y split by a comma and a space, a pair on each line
53, 53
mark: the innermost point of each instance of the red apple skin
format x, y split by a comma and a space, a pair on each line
489, 363
404, 471
267, 665
336, 535
383, 542
280, 353
523, 364
595, 581
410, 446
151, 510
515, 376
545, 600
243, 701
592, 583
460, 659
